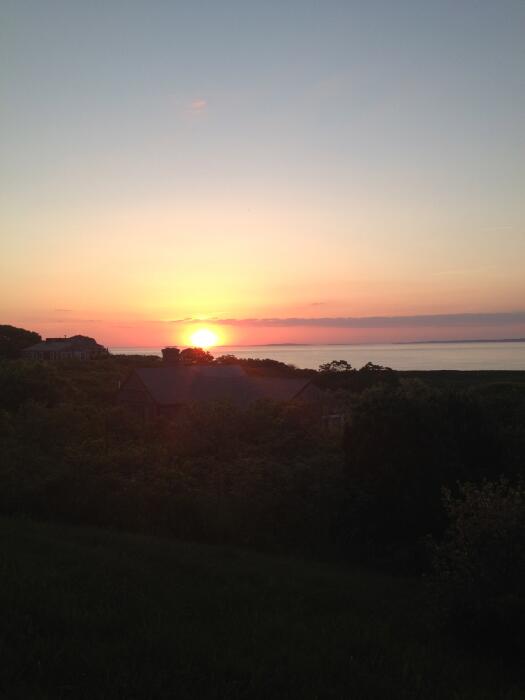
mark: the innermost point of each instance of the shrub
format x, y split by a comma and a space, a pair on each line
479, 568
22, 381
402, 445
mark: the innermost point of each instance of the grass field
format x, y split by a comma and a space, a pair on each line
92, 614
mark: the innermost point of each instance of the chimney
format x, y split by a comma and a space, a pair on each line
170, 356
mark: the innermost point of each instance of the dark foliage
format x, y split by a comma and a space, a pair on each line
21, 382
402, 445
13, 340
213, 473
264, 367
195, 356
271, 475
479, 568
274, 477
335, 366
339, 375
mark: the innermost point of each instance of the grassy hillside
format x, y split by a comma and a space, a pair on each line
92, 614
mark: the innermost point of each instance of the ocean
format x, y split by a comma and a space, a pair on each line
491, 355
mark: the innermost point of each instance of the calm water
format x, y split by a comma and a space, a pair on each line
465, 356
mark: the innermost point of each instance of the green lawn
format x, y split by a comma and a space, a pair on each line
92, 614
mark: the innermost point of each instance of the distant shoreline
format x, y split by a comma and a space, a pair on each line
449, 342
309, 345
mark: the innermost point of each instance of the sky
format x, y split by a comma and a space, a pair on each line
288, 171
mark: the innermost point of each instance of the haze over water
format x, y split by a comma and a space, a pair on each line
416, 356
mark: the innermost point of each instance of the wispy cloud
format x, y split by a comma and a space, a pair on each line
421, 321
69, 319
197, 106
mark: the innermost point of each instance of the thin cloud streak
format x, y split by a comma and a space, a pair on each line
422, 321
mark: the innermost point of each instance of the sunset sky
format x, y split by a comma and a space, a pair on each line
277, 171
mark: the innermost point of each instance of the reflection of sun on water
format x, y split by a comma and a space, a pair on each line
204, 338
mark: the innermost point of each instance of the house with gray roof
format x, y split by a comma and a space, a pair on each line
153, 391
77, 347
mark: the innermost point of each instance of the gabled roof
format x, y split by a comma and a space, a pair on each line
76, 343
54, 346
176, 385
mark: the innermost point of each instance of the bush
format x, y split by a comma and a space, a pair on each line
402, 445
266, 475
22, 381
479, 568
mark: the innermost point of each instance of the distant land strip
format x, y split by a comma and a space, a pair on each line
466, 340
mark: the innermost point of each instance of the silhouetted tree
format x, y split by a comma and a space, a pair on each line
336, 366
84, 340
371, 367
227, 360
264, 366
13, 340
196, 356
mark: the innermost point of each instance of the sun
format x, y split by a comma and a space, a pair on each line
204, 338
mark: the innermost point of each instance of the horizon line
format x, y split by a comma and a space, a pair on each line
270, 345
